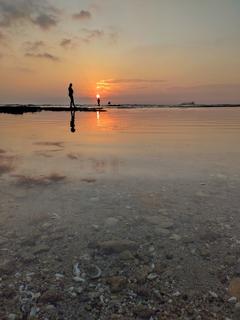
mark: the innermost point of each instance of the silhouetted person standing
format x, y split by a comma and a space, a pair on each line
98, 101
70, 93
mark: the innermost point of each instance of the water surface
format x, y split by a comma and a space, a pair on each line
148, 143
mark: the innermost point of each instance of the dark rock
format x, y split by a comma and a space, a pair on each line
142, 273
7, 267
237, 270
117, 283
8, 293
161, 221
41, 249
126, 255
234, 288
51, 296
117, 246
143, 291
143, 312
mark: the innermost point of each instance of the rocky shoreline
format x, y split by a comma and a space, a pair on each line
21, 109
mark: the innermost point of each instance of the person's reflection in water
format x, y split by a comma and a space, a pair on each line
72, 121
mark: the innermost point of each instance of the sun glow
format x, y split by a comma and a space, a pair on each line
98, 96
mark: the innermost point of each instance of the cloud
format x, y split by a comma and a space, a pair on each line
24, 70
136, 80
82, 15
34, 46
133, 83
45, 21
66, 43
29, 11
113, 37
45, 55
92, 34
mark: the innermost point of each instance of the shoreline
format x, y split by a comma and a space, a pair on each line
30, 108
21, 109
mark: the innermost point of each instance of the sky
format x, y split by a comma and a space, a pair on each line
128, 51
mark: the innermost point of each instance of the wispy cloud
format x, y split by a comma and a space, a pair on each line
82, 15
136, 83
44, 55
113, 37
136, 80
36, 12
66, 43
35, 45
92, 34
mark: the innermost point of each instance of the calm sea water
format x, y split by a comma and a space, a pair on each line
147, 143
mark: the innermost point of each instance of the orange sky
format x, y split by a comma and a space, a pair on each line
137, 51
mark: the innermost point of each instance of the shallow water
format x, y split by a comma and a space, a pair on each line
167, 180
147, 143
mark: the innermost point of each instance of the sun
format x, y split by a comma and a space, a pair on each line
98, 96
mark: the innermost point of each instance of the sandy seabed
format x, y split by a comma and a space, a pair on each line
138, 225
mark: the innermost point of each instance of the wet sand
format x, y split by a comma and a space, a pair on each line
133, 216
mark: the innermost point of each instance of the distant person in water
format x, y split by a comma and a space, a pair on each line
70, 93
72, 121
98, 101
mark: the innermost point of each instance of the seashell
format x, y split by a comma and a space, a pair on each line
94, 272
78, 279
76, 269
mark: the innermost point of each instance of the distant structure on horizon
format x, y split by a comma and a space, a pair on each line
192, 103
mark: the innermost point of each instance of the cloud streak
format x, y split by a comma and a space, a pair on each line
92, 34
34, 46
44, 55
82, 15
66, 43
28, 11
136, 80
133, 83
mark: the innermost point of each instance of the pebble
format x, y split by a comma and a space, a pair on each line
237, 270
111, 221
7, 267
213, 294
176, 294
161, 221
59, 276
204, 252
41, 249
232, 300
51, 296
117, 246
161, 231
175, 237
152, 276
126, 255
117, 283
143, 312
234, 288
